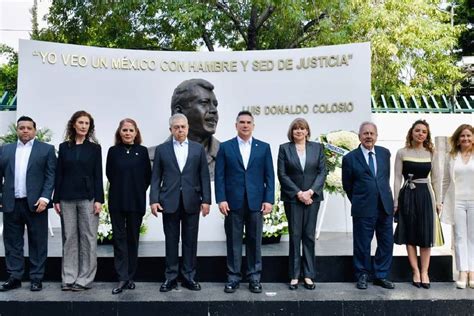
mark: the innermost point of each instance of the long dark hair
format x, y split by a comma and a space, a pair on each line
427, 144
71, 132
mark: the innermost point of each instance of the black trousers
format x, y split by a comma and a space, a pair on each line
126, 232
13, 231
189, 223
302, 228
234, 230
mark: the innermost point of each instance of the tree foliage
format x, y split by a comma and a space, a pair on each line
9, 70
412, 40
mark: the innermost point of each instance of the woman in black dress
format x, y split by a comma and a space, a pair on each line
415, 202
128, 170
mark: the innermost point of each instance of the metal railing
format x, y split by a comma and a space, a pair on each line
423, 104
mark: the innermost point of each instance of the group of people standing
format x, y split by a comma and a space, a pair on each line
420, 197
180, 189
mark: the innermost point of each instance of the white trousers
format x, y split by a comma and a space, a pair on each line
464, 235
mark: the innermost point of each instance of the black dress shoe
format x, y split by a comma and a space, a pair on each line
425, 285
309, 286
131, 285
362, 282
36, 285
78, 288
231, 286
255, 287
191, 285
10, 284
67, 287
168, 285
416, 284
120, 287
386, 284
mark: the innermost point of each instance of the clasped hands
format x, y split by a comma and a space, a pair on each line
305, 197
157, 208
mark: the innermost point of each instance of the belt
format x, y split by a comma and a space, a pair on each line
411, 182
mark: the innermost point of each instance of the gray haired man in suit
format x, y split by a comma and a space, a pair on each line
180, 189
27, 170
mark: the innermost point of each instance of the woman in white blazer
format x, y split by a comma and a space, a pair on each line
458, 201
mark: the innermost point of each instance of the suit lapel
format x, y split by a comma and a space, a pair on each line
253, 150
33, 154
235, 146
172, 154
360, 156
190, 151
294, 155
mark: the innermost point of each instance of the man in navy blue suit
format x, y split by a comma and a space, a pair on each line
365, 178
245, 191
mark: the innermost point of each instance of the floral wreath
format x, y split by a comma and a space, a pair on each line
336, 145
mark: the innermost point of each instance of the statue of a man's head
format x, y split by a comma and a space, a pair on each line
195, 99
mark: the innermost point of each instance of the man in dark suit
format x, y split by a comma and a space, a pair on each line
27, 169
365, 178
180, 188
245, 191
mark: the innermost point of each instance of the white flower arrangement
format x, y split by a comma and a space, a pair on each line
104, 232
275, 223
336, 145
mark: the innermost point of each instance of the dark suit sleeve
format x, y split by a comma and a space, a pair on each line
287, 185
269, 177
219, 175
49, 173
318, 183
147, 166
59, 175
98, 178
109, 169
156, 178
347, 177
205, 178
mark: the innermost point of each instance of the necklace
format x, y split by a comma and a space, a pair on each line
127, 149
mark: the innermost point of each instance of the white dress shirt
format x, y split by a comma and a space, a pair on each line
365, 151
181, 152
245, 148
22, 155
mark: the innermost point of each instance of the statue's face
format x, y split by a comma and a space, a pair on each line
202, 112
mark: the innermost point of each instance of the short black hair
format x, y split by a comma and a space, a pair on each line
244, 112
26, 118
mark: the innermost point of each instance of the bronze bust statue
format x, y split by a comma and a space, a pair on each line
195, 99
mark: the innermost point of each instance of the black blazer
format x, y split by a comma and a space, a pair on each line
79, 173
167, 181
129, 173
292, 177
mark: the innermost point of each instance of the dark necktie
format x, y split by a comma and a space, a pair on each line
371, 163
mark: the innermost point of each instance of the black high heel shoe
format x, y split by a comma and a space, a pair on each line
293, 286
309, 286
416, 284
425, 285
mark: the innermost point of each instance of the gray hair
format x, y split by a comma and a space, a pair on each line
177, 116
367, 123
